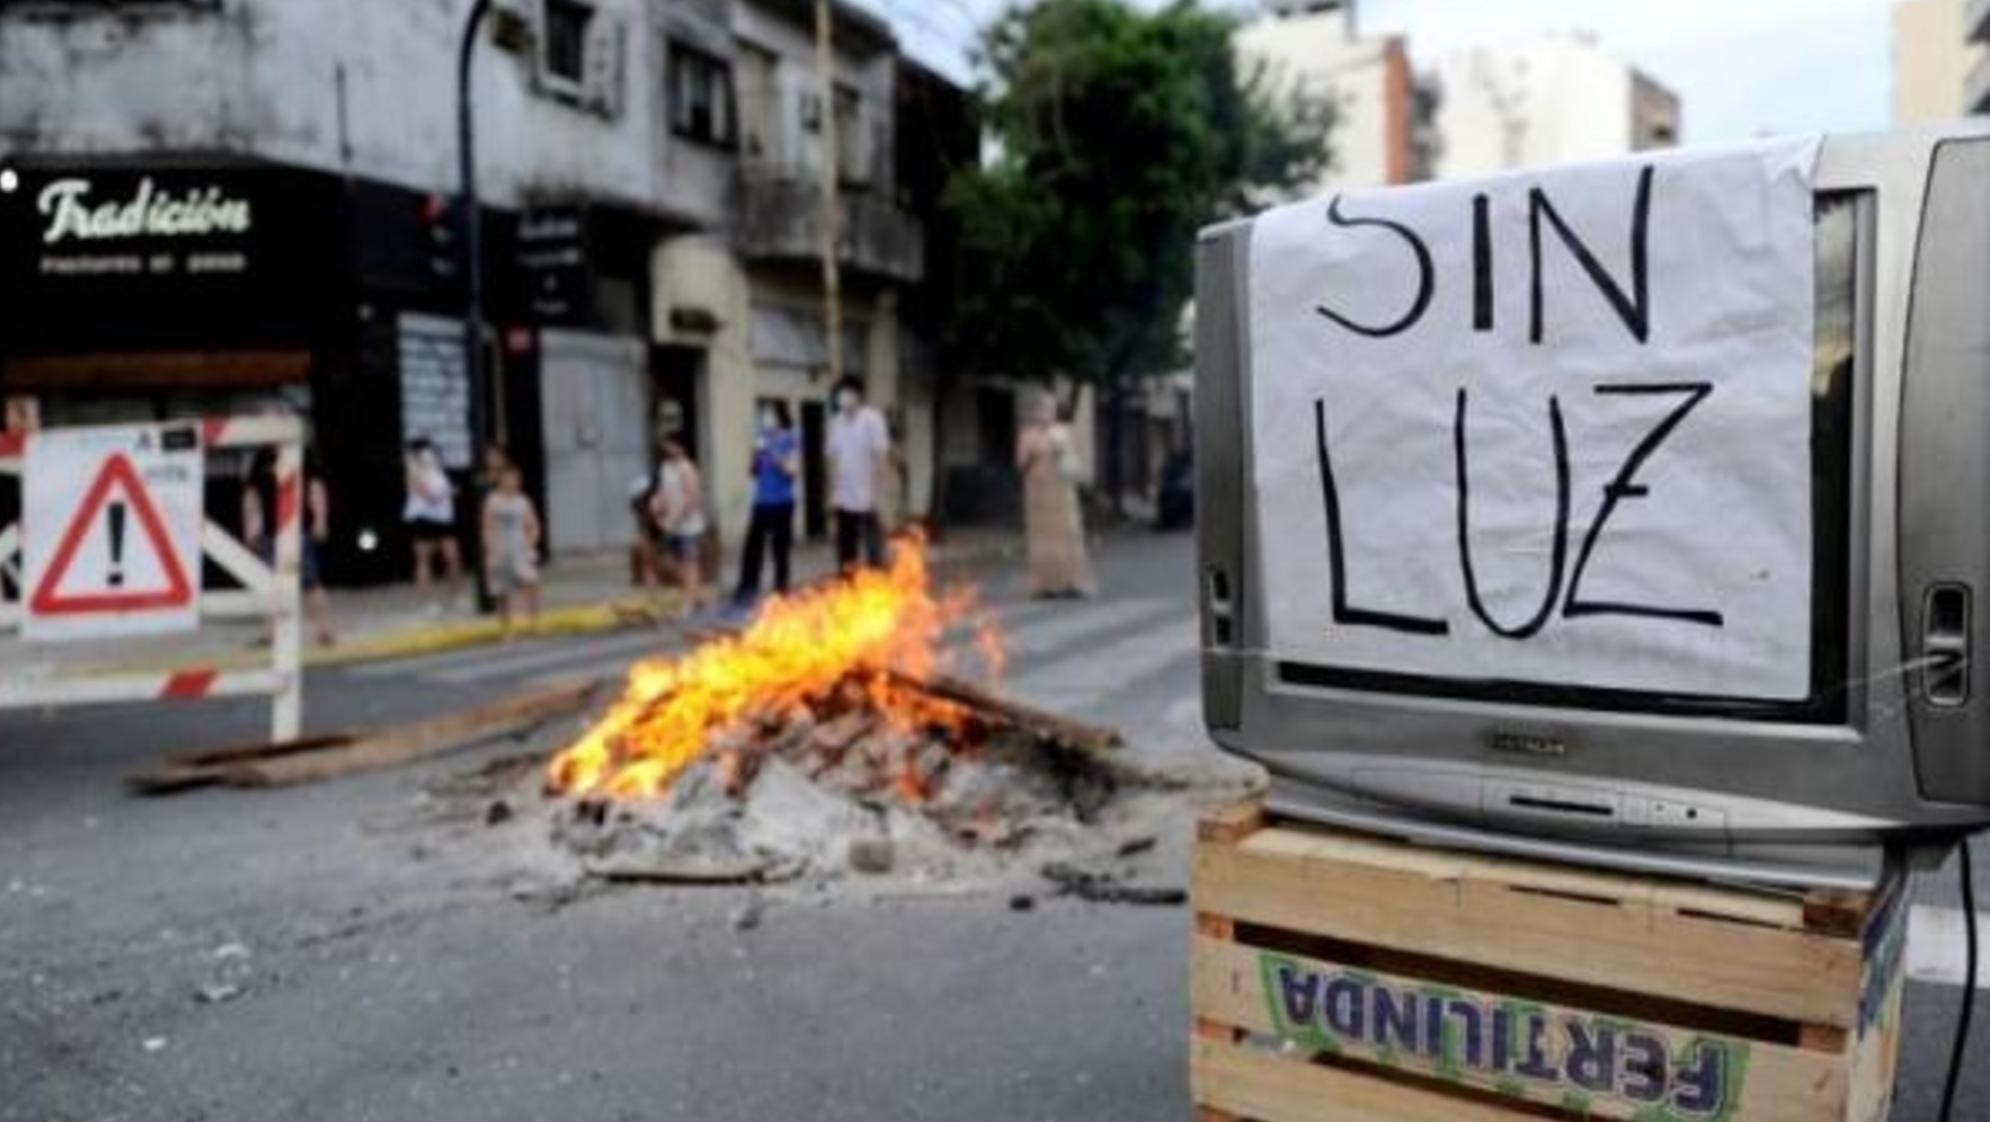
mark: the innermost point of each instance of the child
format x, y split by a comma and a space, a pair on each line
678, 505
511, 545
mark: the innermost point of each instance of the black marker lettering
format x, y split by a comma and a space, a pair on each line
1478, 606
1337, 561
1482, 263
1635, 311
1426, 276
1626, 486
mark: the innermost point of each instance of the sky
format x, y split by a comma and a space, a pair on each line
1741, 67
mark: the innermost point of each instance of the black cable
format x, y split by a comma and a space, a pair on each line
1968, 983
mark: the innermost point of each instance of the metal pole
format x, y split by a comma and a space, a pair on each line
473, 231
473, 284
832, 280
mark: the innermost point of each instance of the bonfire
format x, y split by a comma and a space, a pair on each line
876, 640
834, 731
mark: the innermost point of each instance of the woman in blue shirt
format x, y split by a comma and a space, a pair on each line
776, 464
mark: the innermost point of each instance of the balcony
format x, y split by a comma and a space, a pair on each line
779, 218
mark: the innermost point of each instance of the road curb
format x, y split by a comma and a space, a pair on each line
448, 635
428, 638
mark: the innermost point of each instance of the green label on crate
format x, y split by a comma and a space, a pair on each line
1549, 1054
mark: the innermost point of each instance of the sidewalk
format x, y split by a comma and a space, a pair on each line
581, 593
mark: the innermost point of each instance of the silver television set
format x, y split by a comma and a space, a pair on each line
1887, 736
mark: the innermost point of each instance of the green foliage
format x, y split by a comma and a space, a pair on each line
1117, 134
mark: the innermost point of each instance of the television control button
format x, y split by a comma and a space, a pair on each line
1945, 644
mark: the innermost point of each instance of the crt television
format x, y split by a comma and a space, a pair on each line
1858, 715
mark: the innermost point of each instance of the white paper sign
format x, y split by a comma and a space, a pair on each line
1550, 427
110, 531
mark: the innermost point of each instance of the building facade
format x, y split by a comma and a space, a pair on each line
215, 205
1976, 32
1549, 100
1381, 133
761, 287
1937, 66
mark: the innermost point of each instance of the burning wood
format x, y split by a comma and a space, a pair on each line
827, 732
874, 643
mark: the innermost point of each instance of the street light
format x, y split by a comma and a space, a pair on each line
473, 253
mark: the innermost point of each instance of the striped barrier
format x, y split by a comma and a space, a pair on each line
269, 590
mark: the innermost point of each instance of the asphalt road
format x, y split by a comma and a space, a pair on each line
362, 950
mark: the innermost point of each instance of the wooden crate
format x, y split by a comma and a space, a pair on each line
1338, 977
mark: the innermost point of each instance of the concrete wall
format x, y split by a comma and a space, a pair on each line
1550, 100
1931, 60
360, 86
918, 398
794, 86
780, 217
700, 272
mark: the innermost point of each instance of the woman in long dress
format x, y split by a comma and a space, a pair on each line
1053, 524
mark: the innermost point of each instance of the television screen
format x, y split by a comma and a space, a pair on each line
1830, 455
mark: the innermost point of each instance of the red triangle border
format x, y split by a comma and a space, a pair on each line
178, 592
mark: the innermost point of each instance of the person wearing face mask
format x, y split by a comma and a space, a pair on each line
859, 455
776, 464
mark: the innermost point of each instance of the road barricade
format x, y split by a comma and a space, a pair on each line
111, 544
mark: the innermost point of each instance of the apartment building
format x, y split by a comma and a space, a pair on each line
1551, 99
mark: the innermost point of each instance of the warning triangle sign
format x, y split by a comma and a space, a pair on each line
116, 490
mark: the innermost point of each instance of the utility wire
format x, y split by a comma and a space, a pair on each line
955, 38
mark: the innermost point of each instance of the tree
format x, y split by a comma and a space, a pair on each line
1117, 133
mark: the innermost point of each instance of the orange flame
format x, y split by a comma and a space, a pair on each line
873, 631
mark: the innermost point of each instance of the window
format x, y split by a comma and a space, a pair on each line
563, 48
700, 96
580, 55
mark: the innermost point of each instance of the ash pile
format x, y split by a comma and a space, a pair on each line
844, 787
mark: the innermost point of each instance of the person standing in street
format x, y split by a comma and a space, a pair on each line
776, 464
259, 531
430, 517
859, 455
1053, 523
646, 551
511, 548
679, 509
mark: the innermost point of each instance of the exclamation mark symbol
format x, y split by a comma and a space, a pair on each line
116, 514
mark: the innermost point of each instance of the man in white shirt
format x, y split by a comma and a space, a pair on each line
859, 450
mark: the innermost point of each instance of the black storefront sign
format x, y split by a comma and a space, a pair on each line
554, 263
172, 256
